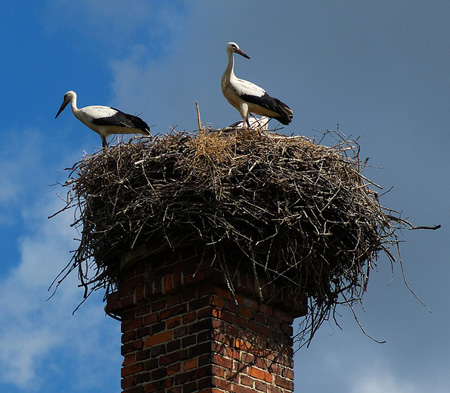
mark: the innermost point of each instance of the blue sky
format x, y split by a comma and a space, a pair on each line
379, 69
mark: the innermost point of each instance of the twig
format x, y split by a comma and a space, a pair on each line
198, 116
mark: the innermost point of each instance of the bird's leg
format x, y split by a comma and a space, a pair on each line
104, 143
244, 113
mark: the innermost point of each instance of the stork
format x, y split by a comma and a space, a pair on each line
247, 97
105, 120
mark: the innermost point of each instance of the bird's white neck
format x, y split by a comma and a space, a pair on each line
73, 103
229, 71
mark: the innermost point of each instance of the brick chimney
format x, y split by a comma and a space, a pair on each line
185, 330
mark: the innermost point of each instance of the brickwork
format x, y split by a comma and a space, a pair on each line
183, 331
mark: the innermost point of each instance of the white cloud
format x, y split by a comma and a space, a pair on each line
33, 329
382, 377
22, 353
382, 381
18, 160
114, 26
40, 339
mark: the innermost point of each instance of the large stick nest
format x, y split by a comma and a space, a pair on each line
286, 207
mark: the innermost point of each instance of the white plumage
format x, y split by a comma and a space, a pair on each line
247, 97
105, 120
260, 123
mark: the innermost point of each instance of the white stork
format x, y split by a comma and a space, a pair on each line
105, 120
247, 97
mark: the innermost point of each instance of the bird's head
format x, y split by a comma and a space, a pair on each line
232, 47
68, 97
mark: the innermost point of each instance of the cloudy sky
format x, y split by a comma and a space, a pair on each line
379, 69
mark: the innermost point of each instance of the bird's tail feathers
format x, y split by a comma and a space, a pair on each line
286, 114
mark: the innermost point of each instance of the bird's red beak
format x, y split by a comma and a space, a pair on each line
242, 53
64, 104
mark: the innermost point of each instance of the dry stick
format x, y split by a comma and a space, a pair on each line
199, 121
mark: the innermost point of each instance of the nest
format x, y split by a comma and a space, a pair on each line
286, 207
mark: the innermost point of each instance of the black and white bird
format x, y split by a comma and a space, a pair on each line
247, 97
105, 120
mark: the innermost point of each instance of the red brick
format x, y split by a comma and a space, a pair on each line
178, 280
223, 293
167, 283
173, 345
262, 387
188, 295
191, 340
142, 310
260, 374
244, 345
190, 387
181, 378
138, 294
190, 317
259, 317
282, 315
132, 369
173, 311
150, 318
129, 359
131, 347
173, 357
242, 389
287, 373
134, 389
157, 386
173, 368
173, 322
191, 279
246, 380
158, 327
173, 300
247, 358
222, 361
260, 329
246, 313
158, 305
284, 382
198, 373
128, 336
232, 353
174, 390
159, 373
222, 384
131, 324
200, 303
143, 332
143, 354
217, 301
142, 378
190, 364
127, 382
158, 338
232, 330
261, 362
205, 382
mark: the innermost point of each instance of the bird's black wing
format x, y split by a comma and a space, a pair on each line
273, 104
122, 119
